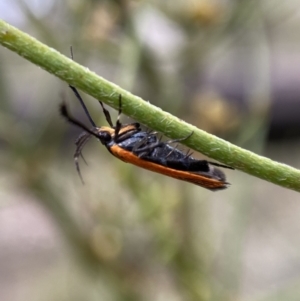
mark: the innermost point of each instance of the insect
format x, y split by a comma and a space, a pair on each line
131, 144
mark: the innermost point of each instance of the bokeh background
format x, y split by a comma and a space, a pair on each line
229, 67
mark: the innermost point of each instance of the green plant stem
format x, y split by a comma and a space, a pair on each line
71, 72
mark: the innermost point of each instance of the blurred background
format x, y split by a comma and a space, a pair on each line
229, 67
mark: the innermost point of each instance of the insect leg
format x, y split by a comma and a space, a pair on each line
179, 139
172, 151
137, 147
118, 122
188, 154
106, 113
220, 165
143, 151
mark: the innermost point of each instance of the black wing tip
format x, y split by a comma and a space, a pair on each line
218, 174
225, 185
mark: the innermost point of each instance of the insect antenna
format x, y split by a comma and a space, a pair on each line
65, 113
78, 96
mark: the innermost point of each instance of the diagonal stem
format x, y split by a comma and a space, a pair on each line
76, 75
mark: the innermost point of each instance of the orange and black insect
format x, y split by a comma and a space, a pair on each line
131, 144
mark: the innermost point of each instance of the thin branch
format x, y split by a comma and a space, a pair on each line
71, 72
